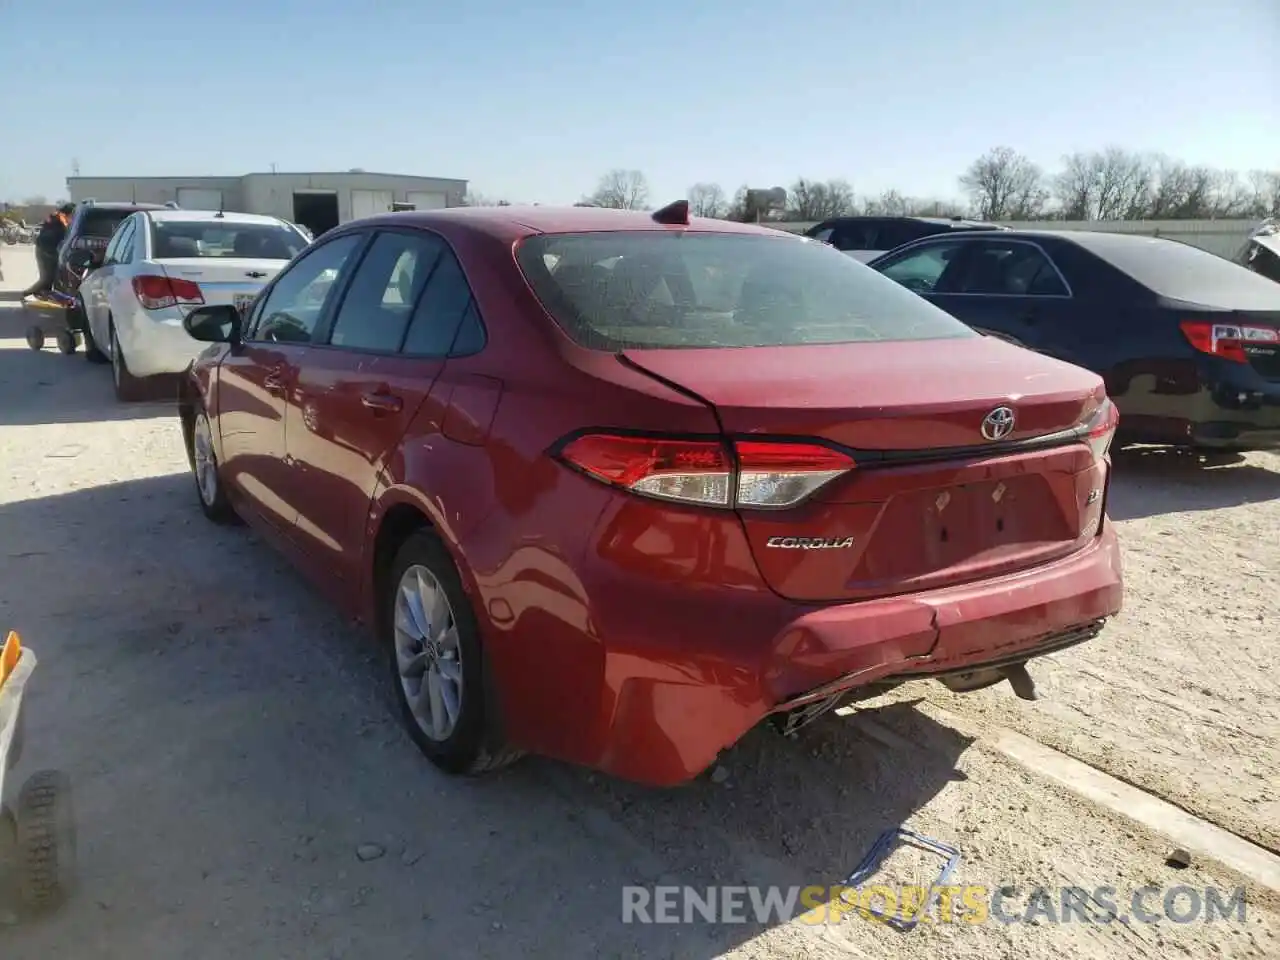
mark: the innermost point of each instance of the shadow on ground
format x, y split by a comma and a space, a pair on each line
232, 746
45, 386
1153, 480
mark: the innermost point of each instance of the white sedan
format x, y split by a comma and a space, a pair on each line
159, 265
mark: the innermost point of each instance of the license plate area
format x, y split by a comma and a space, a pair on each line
243, 301
926, 531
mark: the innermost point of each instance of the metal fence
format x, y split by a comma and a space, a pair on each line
1223, 237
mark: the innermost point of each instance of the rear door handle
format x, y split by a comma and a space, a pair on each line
382, 402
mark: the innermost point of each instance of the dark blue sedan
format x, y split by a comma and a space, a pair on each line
1188, 342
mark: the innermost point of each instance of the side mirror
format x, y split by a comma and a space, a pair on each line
220, 323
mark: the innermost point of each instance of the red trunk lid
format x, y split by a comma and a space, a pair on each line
932, 502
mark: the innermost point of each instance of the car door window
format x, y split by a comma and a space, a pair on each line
1011, 270
124, 247
446, 320
924, 269
823, 235
856, 235
292, 309
894, 233
109, 255
376, 308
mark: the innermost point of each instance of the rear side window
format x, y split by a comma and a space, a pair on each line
101, 224
445, 320
636, 289
894, 233
857, 235
375, 309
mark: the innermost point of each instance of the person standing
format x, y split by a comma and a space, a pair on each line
52, 232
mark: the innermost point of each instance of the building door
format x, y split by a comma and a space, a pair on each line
370, 203
199, 198
427, 200
317, 210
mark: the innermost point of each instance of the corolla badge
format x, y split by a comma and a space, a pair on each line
998, 424
809, 543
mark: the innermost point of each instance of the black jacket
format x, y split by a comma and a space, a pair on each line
52, 232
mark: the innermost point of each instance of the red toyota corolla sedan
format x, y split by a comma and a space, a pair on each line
613, 486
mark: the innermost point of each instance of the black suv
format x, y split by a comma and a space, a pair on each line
865, 238
90, 229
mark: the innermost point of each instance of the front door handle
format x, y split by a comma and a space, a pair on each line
382, 402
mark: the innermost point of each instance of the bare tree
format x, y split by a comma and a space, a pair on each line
1264, 189
1182, 192
1005, 185
473, 199
1112, 184
620, 190
35, 200
708, 200
814, 200
889, 204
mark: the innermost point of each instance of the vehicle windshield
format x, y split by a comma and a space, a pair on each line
172, 239
640, 289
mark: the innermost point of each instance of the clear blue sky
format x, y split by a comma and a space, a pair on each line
532, 101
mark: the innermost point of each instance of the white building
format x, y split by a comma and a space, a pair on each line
320, 201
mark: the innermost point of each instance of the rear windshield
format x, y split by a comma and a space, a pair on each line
173, 239
102, 223
637, 289
1179, 271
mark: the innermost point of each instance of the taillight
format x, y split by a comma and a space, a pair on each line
157, 293
1102, 429
1226, 340
755, 474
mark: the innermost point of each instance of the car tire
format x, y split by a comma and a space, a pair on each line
92, 353
465, 742
128, 387
206, 472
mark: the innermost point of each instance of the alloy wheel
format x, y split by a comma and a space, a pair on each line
428, 655
206, 464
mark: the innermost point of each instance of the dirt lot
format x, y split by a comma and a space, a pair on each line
232, 748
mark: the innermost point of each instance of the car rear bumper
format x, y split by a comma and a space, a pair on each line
1223, 405
155, 345
660, 713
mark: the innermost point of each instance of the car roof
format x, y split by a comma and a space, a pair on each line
189, 216
961, 222
507, 223
118, 205
1174, 271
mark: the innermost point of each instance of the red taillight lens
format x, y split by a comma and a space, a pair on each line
1102, 429
762, 474
1226, 340
157, 293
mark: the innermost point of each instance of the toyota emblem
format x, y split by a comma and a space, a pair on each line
997, 424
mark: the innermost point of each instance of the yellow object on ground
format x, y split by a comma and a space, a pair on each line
9, 656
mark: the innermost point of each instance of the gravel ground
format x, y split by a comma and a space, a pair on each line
232, 748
